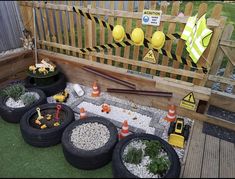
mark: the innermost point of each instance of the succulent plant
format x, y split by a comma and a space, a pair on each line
13, 91
159, 165
28, 99
133, 155
152, 148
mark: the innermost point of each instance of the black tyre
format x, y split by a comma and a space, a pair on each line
52, 89
120, 171
91, 159
14, 115
171, 128
186, 132
46, 137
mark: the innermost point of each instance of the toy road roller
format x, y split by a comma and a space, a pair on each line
178, 133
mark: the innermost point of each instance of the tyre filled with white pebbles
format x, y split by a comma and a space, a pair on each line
89, 143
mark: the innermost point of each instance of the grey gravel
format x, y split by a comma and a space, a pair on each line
90, 136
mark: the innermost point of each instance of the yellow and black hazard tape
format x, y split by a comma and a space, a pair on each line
129, 42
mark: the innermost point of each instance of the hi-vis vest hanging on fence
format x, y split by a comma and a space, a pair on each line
197, 38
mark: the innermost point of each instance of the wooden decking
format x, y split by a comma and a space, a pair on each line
208, 156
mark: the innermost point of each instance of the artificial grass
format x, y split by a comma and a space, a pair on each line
18, 159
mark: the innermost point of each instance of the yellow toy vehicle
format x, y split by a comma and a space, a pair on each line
178, 133
61, 97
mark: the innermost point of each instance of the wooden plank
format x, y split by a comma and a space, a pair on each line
58, 28
139, 25
210, 166
227, 33
45, 25
40, 26
149, 32
120, 14
93, 5
227, 159
79, 30
229, 52
65, 28
128, 29
181, 43
171, 29
102, 30
110, 37
223, 100
227, 43
72, 31
221, 79
194, 159
132, 62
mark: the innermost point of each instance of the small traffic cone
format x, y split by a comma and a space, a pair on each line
124, 131
95, 92
171, 116
82, 113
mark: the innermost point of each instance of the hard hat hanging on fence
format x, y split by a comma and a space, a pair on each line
158, 39
118, 33
137, 36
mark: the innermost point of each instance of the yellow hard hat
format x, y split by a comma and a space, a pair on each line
158, 39
118, 33
137, 36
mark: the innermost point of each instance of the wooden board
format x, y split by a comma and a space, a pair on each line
227, 159
194, 159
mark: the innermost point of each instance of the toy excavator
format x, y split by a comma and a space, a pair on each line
178, 133
62, 96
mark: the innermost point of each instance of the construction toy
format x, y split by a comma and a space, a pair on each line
95, 92
56, 124
158, 39
48, 117
58, 108
171, 116
43, 126
178, 133
105, 108
118, 33
61, 97
32, 68
38, 122
137, 36
39, 114
124, 131
77, 88
49, 64
82, 113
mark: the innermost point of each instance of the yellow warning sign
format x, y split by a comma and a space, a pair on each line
150, 57
188, 102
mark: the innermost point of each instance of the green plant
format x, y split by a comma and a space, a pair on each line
133, 155
152, 148
14, 91
159, 165
28, 99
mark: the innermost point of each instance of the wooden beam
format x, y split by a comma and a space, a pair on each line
228, 43
220, 79
116, 13
229, 52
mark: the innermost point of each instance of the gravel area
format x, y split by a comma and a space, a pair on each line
90, 136
140, 169
19, 103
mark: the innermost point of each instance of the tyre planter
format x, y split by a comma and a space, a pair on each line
14, 115
47, 137
120, 170
93, 158
55, 87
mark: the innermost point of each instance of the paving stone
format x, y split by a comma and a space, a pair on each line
158, 132
154, 122
145, 112
99, 101
77, 102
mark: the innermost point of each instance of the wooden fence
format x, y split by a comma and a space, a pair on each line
60, 29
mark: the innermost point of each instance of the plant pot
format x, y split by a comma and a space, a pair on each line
45, 137
55, 86
89, 159
119, 169
14, 115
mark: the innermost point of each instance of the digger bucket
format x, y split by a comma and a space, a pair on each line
176, 140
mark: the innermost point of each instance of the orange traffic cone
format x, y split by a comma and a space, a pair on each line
171, 114
124, 131
95, 92
82, 113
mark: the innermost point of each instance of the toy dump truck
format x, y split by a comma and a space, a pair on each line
178, 133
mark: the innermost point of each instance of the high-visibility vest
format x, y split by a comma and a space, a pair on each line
199, 39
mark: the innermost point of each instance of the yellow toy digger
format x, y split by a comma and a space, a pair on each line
62, 96
178, 133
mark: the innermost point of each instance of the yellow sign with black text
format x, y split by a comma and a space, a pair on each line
188, 102
150, 57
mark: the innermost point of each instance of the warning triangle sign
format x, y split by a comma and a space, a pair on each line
190, 98
150, 57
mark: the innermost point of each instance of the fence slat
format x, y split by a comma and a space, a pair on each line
171, 29
40, 25
72, 32
93, 5
102, 30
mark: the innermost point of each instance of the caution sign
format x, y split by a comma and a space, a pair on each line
150, 57
151, 17
188, 102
